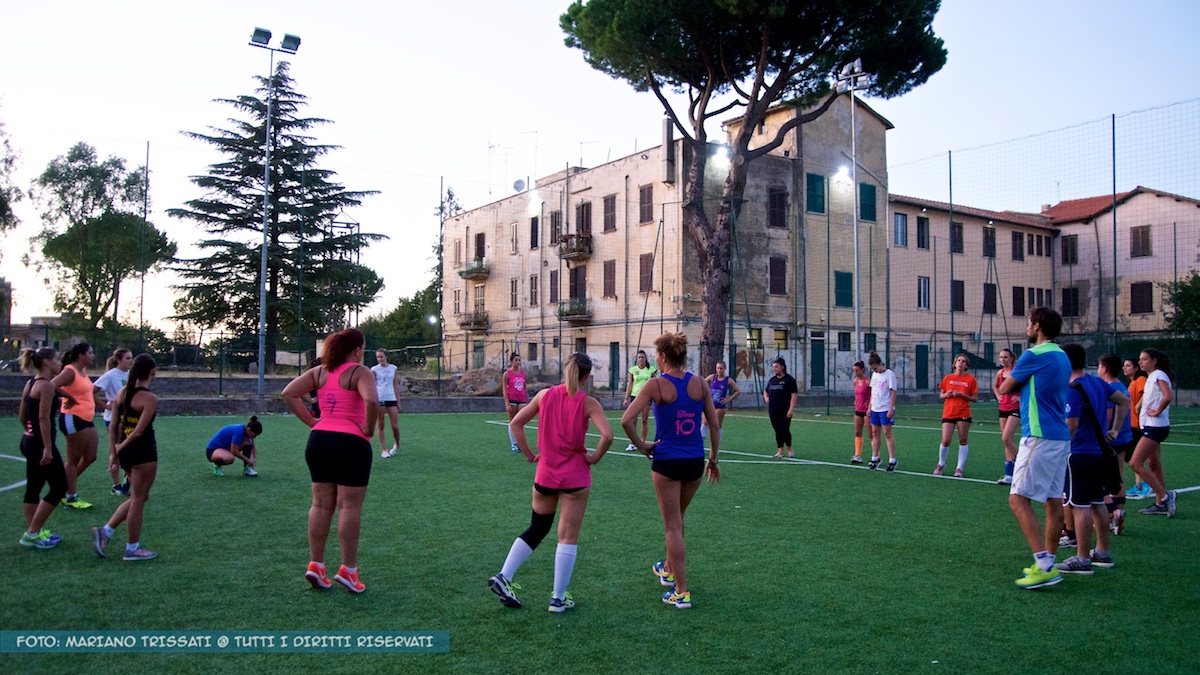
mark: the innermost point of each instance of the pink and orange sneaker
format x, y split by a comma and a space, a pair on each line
349, 580
316, 576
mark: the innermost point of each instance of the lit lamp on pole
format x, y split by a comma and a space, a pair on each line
262, 38
851, 79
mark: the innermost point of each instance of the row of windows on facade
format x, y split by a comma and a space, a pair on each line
1023, 244
1141, 298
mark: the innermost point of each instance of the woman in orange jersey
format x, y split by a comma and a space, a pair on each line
1137, 386
959, 390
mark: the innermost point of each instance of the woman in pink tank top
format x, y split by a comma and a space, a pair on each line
564, 469
339, 451
515, 394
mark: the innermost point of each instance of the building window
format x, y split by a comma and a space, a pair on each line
1070, 302
480, 296
553, 287
1139, 242
480, 240
1070, 249
1141, 298
989, 298
922, 292
1041, 298
457, 302
843, 342
533, 290
533, 232
610, 278
956, 238
958, 296
753, 338
554, 342
843, 284
900, 229
1049, 297
512, 235
989, 242
777, 275
583, 219
815, 195
866, 201
610, 213
781, 339
555, 227
531, 352
577, 282
923, 232
777, 207
645, 273
512, 293
646, 204
1018, 301
1018, 246
458, 253
869, 341
1039, 244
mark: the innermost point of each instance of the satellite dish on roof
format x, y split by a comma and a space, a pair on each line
519, 185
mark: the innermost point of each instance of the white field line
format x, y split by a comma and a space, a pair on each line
14, 486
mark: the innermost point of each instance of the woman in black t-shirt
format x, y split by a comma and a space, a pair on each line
780, 397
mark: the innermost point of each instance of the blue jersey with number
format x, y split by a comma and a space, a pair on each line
677, 424
1044, 373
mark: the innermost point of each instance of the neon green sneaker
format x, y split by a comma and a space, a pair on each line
39, 540
1036, 578
665, 578
76, 503
680, 600
217, 470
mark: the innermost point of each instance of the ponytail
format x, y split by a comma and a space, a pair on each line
143, 364
31, 361
577, 368
115, 358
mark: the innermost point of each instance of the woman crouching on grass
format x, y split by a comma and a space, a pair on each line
131, 446
680, 399
564, 470
339, 451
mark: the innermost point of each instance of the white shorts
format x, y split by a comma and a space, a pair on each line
1040, 469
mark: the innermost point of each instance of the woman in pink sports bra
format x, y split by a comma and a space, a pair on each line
339, 450
515, 394
564, 471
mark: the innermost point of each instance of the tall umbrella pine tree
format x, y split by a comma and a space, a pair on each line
313, 274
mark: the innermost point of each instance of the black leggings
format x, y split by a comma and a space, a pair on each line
37, 476
783, 427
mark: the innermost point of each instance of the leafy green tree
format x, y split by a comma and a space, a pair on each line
747, 55
9, 194
1182, 303
91, 241
313, 275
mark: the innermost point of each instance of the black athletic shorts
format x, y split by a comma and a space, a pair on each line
144, 451
955, 420
1125, 451
69, 424
1089, 478
339, 458
860, 414
1156, 434
1137, 434
1005, 414
550, 492
685, 470
389, 404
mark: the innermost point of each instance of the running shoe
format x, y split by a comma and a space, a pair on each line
1075, 565
891, 466
39, 540
75, 502
958, 473
632, 448
396, 446
1067, 542
349, 579
937, 470
1155, 509
559, 606
249, 471
1101, 559
1004, 480
1036, 578
1170, 503
1118, 522
139, 553
1135, 492
384, 454
1146, 490
856, 460
217, 470
316, 576
120, 489
664, 577
874, 464
680, 600
515, 448
99, 540
504, 588
51, 536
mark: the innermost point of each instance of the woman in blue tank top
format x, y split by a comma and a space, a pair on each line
680, 401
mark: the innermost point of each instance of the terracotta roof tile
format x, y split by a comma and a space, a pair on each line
1013, 217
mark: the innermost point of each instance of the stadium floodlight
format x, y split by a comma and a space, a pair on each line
261, 37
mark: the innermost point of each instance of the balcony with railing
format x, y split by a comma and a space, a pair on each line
575, 247
477, 269
474, 321
575, 311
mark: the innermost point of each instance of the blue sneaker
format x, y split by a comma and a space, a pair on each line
51, 536
39, 540
559, 606
516, 448
1146, 490
680, 600
504, 588
664, 577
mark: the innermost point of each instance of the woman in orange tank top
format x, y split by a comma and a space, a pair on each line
76, 421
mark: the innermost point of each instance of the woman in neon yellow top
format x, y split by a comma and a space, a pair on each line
639, 375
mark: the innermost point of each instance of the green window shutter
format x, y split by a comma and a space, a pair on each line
866, 201
843, 284
816, 193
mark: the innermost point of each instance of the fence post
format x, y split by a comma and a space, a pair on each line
221, 366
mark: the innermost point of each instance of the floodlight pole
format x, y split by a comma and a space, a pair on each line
848, 80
